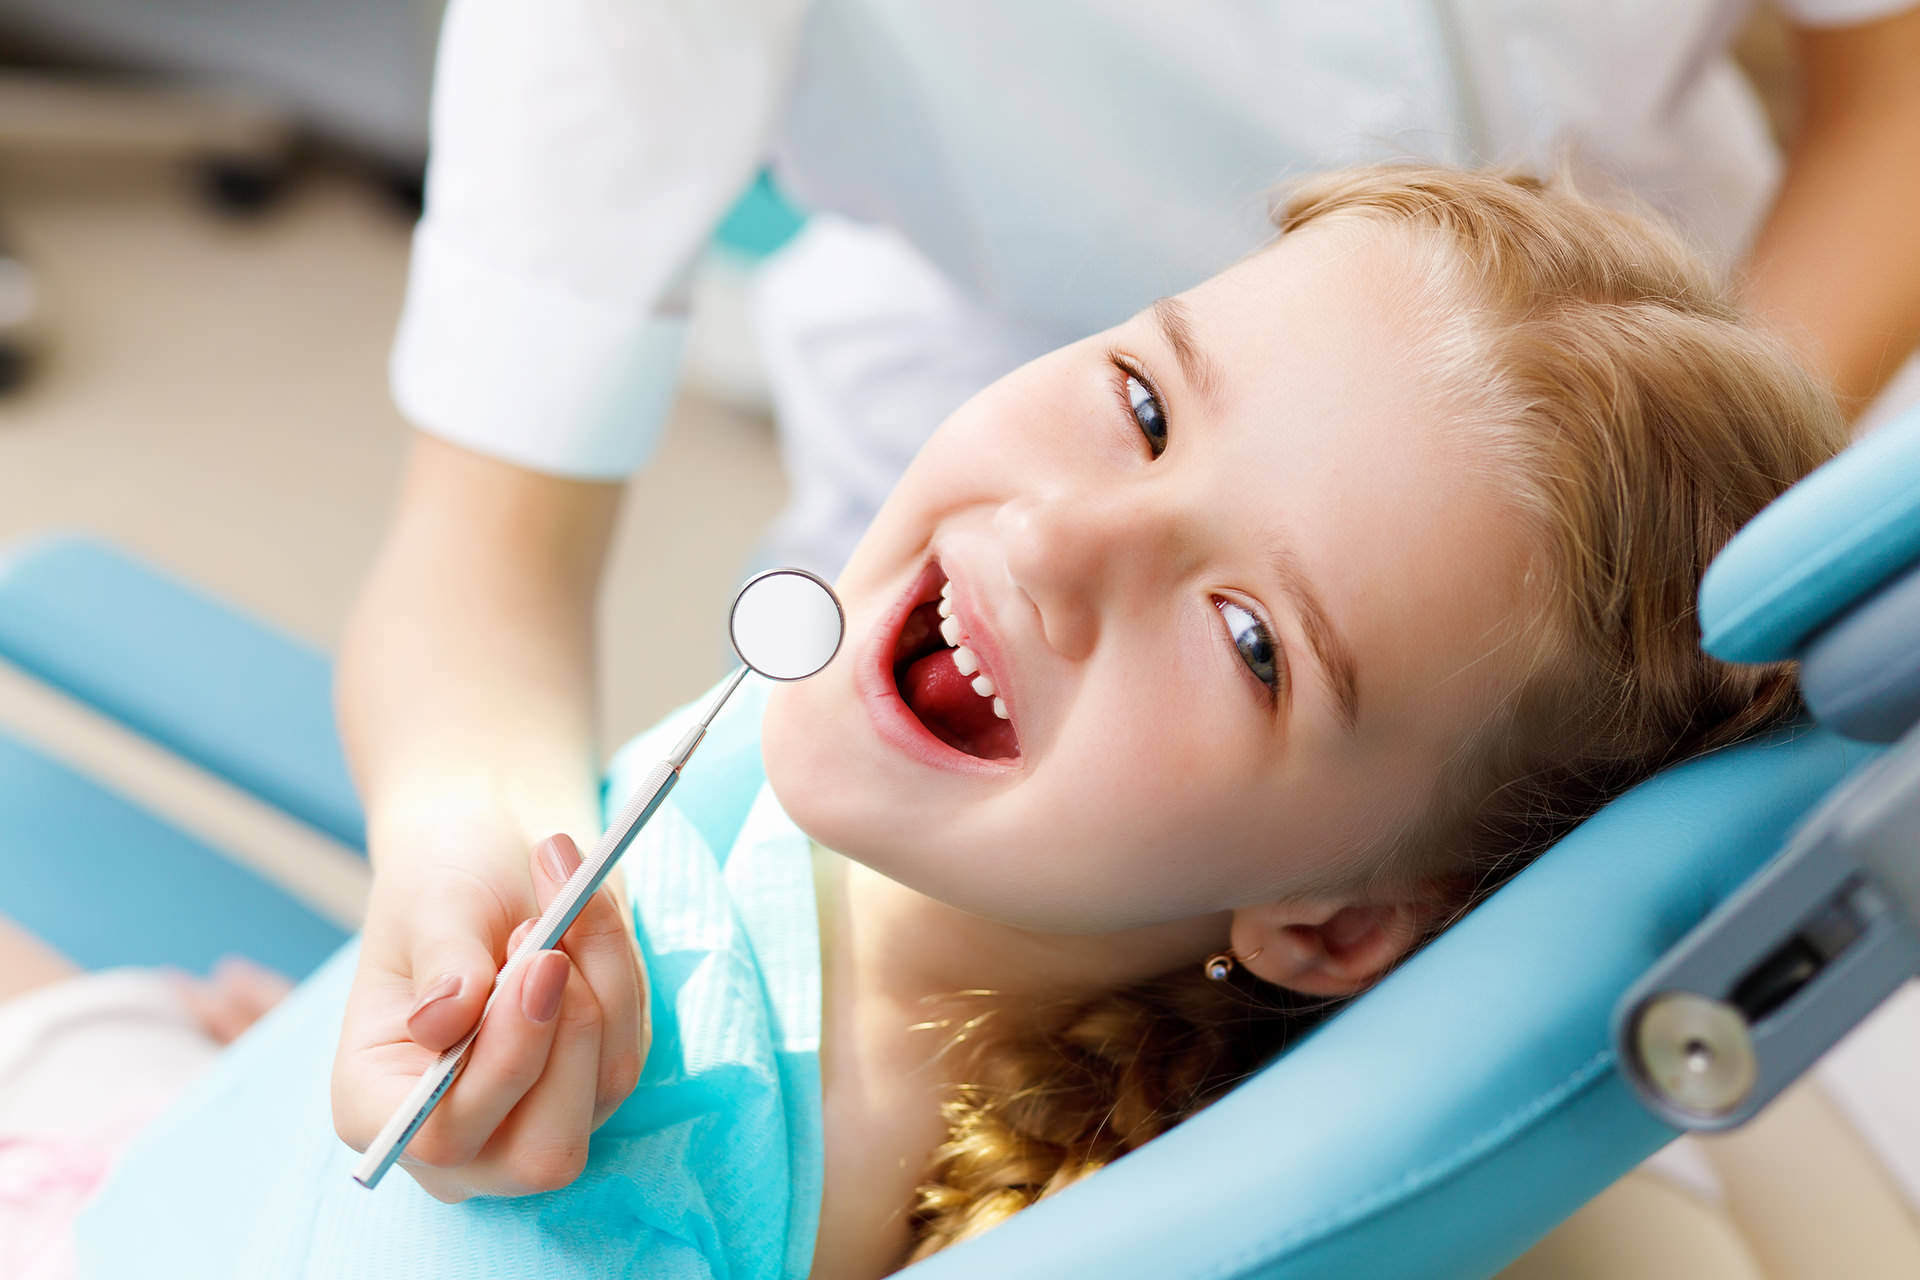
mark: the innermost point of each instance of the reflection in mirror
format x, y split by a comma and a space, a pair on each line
786, 624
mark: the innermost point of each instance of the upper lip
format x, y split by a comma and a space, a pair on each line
978, 636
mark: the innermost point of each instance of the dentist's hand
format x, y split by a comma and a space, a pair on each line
561, 1050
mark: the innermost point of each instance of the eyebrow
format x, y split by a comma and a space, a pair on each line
1329, 649
1201, 373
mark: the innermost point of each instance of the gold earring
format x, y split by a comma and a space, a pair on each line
1220, 965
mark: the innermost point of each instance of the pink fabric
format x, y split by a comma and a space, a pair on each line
44, 1182
86, 1064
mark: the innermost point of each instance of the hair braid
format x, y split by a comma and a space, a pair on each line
1099, 1080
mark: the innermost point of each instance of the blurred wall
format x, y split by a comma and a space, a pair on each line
354, 71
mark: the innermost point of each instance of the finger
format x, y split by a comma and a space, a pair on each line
453, 972
253, 988
506, 1060
378, 1060
603, 950
234, 997
201, 1002
542, 1146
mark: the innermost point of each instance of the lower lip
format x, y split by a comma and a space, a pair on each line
892, 718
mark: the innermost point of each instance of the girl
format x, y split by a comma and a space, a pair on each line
1196, 673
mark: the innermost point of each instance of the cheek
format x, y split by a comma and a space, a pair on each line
1137, 752
1161, 782
1202, 800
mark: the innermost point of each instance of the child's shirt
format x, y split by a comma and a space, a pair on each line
711, 1168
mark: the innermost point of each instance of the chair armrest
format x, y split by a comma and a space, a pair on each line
236, 697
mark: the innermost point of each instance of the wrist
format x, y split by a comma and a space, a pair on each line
474, 821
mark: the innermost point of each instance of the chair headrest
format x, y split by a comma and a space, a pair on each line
1468, 1103
1828, 543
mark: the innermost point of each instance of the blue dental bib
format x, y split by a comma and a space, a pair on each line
710, 1170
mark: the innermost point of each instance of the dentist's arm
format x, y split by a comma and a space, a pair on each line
1836, 268
581, 153
465, 695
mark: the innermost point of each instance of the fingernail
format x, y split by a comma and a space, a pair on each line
446, 988
560, 862
540, 996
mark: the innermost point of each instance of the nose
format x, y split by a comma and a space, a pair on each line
1082, 557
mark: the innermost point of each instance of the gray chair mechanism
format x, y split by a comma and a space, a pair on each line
1828, 575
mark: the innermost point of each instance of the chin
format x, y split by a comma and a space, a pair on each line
778, 755
797, 769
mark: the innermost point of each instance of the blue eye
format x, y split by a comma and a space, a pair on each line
1254, 643
1147, 412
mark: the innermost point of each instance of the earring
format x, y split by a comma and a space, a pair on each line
1220, 965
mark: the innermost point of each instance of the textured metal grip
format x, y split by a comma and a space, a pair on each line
546, 933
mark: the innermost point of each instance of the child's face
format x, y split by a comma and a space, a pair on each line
1228, 662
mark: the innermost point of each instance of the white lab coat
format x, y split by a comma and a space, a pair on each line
1059, 163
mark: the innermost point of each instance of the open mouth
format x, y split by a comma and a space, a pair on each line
943, 683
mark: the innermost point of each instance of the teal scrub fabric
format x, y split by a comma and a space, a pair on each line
711, 1169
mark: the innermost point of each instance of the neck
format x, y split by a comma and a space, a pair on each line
915, 992
911, 960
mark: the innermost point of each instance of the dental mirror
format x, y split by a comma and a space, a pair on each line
786, 624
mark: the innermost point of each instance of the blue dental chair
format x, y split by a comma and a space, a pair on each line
1671, 964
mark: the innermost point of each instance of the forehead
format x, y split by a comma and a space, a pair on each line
1353, 290
1350, 453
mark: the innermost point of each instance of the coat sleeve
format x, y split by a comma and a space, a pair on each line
581, 153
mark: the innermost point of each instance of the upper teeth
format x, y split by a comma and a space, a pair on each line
965, 659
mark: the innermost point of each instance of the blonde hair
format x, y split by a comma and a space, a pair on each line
1638, 422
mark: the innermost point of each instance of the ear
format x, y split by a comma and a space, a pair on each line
1327, 947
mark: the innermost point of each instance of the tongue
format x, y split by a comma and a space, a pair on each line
946, 703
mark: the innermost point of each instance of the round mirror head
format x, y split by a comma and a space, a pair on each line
786, 624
